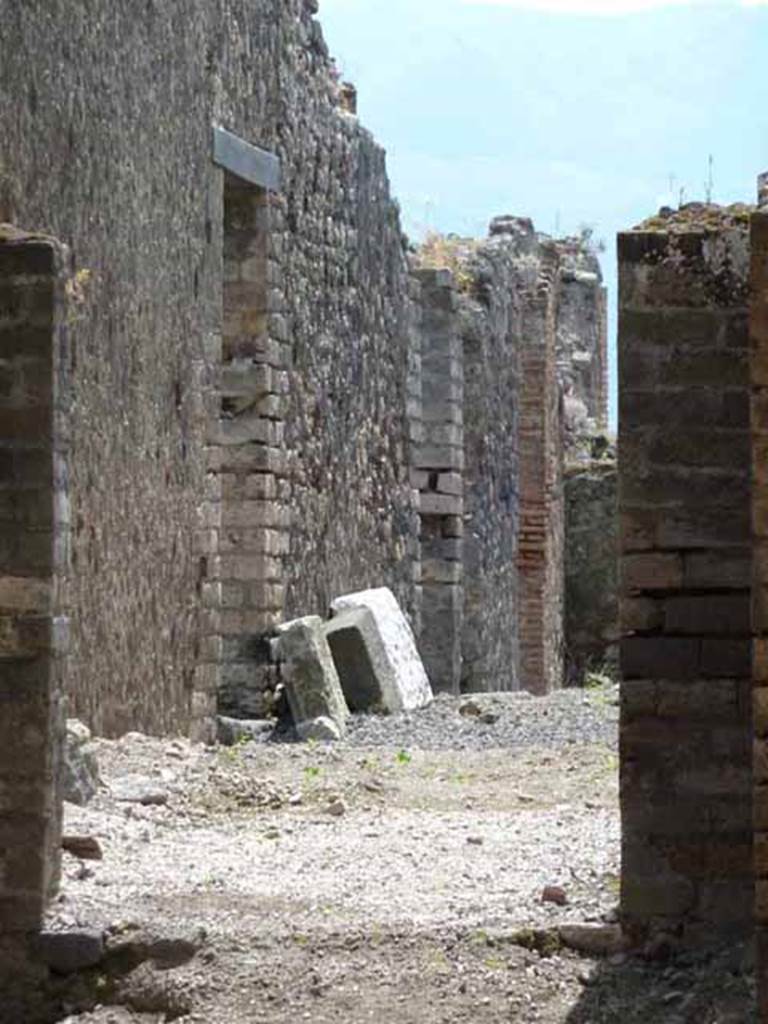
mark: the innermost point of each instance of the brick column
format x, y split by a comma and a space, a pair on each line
759, 342
684, 494
438, 468
540, 557
34, 546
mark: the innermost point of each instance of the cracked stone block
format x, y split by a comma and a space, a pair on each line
367, 678
69, 952
402, 678
311, 681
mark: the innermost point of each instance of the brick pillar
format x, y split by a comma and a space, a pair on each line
759, 340
34, 546
247, 583
438, 468
684, 495
540, 557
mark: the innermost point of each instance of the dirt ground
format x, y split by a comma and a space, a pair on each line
353, 884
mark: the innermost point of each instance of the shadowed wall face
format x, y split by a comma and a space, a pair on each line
759, 338
684, 497
34, 545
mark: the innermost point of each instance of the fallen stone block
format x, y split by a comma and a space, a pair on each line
84, 847
594, 940
80, 771
311, 681
320, 729
69, 952
231, 731
402, 677
361, 660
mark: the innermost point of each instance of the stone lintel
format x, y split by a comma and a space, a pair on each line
245, 161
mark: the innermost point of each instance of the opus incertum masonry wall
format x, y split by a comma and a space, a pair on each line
34, 555
686, 564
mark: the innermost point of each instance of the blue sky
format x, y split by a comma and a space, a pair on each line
569, 111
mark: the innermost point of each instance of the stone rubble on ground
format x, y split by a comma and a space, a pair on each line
80, 769
139, 789
231, 731
82, 847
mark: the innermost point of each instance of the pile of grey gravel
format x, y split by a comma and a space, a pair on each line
491, 720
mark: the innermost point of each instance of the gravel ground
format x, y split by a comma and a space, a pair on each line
513, 721
396, 875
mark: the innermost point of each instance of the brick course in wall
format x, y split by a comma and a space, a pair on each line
759, 419
684, 494
34, 563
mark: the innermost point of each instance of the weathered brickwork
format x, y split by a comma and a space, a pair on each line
591, 570
34, 550
438, 476
685, 453
759, 363
540, 559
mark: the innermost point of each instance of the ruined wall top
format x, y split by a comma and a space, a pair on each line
703, 244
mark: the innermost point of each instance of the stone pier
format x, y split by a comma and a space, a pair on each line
684, 499
34, 564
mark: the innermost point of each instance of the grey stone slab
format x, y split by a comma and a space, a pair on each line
247, 162
69, 952
402, 677
307, 669
361, 660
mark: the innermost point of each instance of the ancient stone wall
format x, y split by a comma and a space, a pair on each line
759, 364
34, 549
490, 322
582, 341
146, 212
523, 341
685, 452
591, 570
